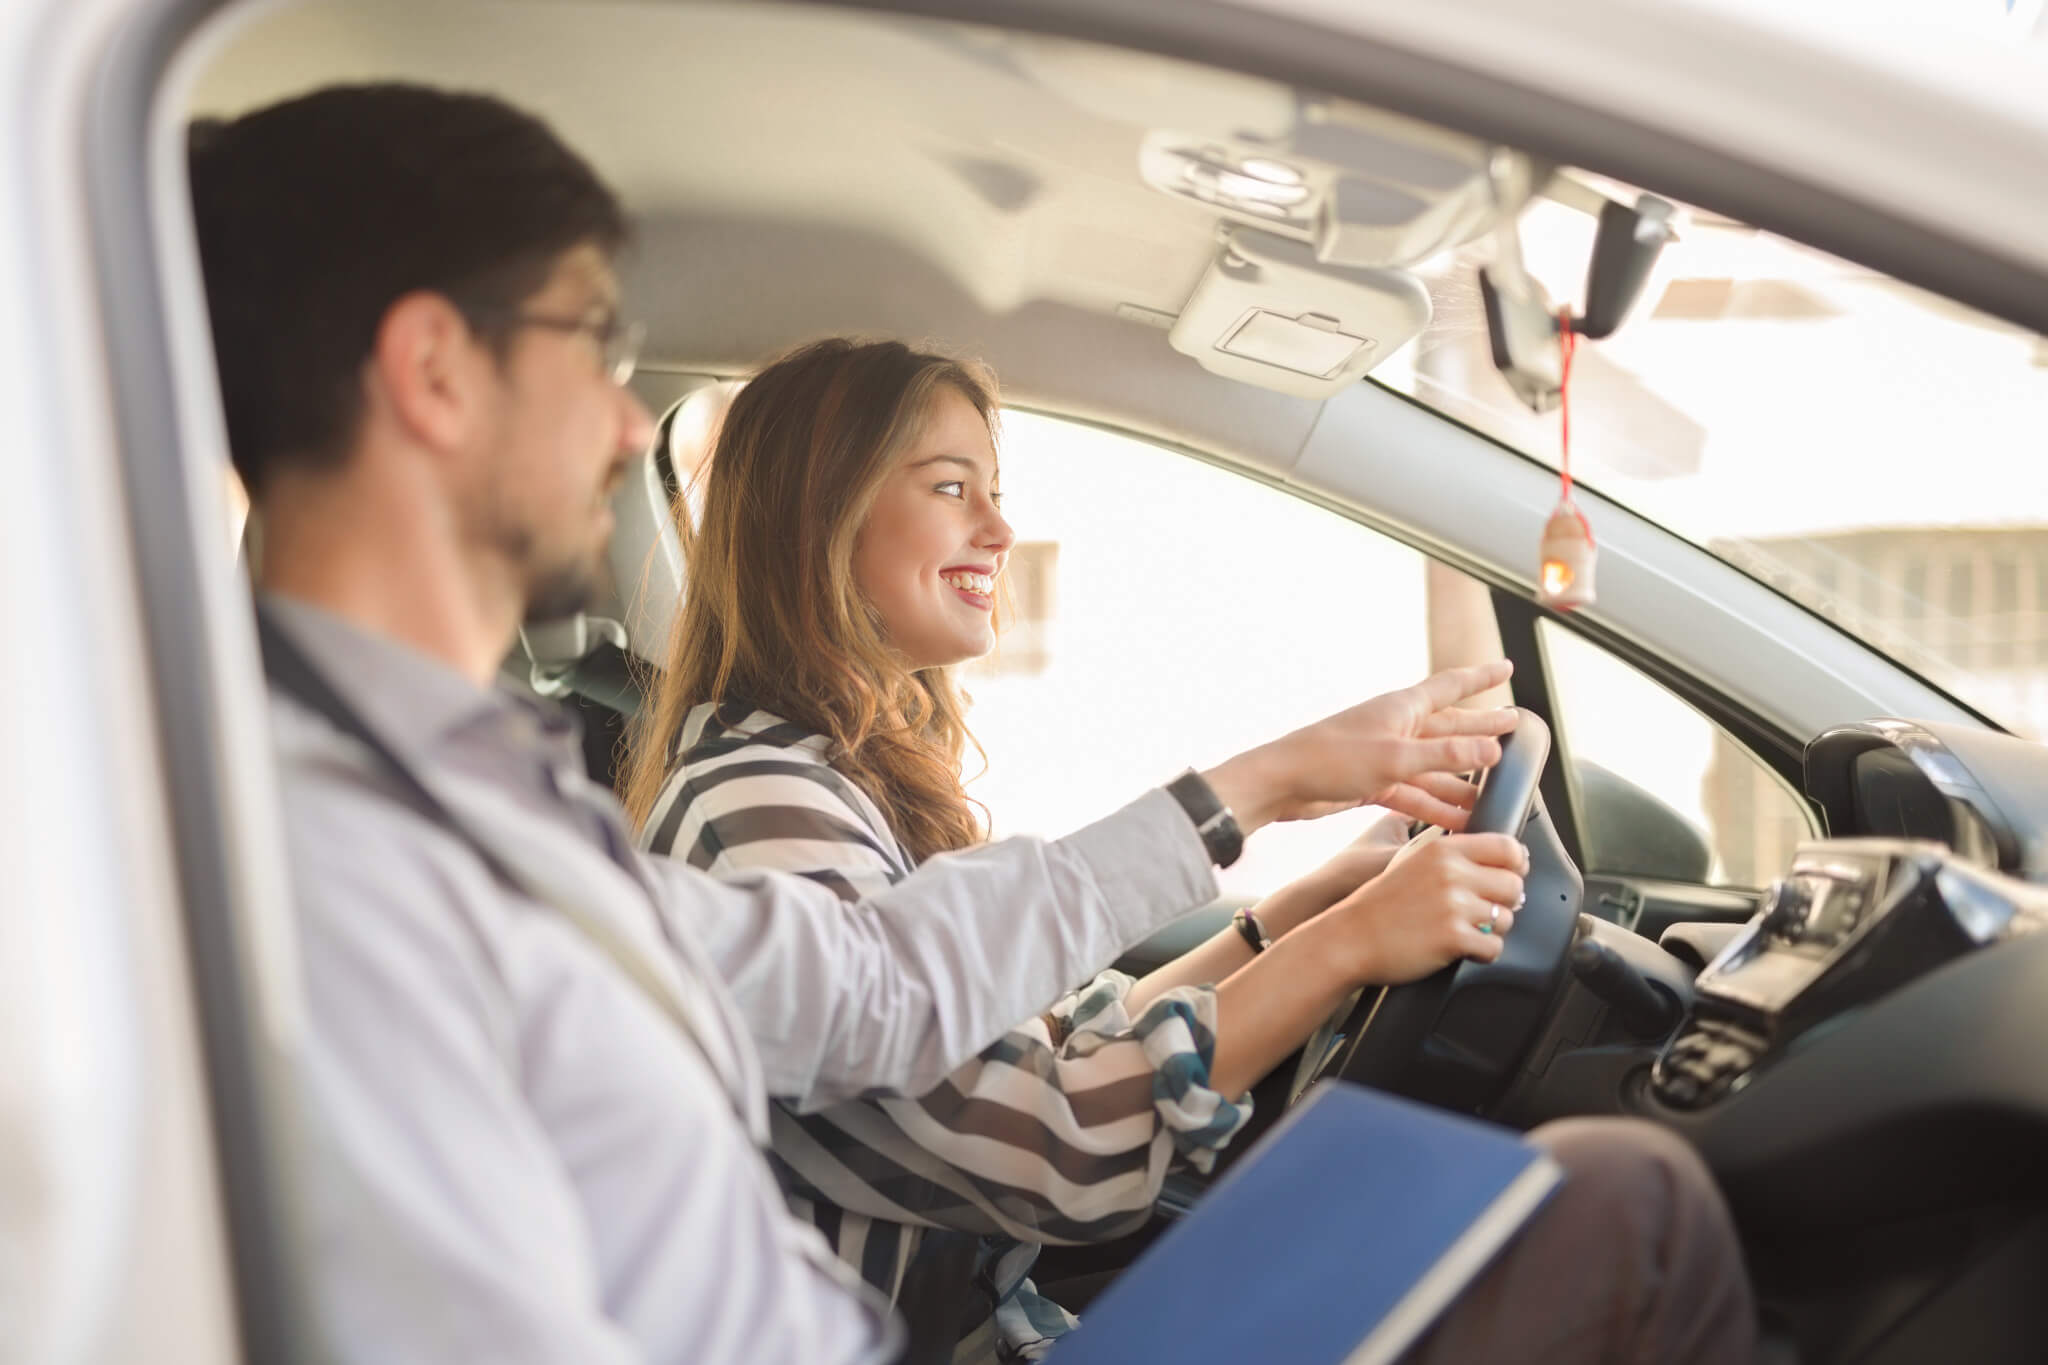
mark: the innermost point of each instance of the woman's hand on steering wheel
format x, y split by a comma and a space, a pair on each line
1452, 898
1403, 750
1349, 868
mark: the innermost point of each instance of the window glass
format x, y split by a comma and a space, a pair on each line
1170, 613
238, 505
1661, 791
2005, 608
1854, 442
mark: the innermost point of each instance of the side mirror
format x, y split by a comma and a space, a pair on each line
1627, 832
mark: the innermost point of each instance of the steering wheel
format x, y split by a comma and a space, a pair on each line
1457, 1038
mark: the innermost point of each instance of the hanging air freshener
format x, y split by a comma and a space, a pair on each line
1568, 552
1565, 578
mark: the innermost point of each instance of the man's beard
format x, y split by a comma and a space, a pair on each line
563, 589
558, 586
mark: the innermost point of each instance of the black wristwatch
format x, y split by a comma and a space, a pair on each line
1213, 820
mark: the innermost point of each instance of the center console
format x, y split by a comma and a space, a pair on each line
1854, 919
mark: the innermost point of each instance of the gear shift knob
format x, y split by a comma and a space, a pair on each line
1642, 1009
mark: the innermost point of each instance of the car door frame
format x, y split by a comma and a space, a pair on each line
198, 662
1646, 905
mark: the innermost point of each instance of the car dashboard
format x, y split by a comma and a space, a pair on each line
1870, 1042
1980, 793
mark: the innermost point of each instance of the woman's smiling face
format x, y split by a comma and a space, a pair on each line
935, 540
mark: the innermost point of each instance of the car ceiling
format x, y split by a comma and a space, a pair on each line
795, 172
798, 171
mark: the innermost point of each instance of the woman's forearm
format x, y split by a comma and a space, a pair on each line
1269, 1008
1215, 958
1279, 914
1453, 898
1225, 951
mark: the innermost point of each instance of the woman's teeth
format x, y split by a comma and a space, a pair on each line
982, 583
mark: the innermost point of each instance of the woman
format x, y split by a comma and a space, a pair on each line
847, 556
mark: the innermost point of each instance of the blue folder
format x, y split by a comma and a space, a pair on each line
1340, 1238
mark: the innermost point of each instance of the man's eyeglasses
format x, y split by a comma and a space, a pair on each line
618, 342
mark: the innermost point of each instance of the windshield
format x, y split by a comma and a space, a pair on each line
1879, 454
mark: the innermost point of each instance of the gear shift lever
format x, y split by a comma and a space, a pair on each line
1642, 1009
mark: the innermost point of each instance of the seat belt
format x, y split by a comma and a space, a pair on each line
933, 1297
296, 676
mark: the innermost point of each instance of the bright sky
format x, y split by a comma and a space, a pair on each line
1860, 403
1892, 413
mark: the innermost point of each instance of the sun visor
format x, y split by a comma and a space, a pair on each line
1268, 313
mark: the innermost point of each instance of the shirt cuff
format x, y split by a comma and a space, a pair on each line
1178, 1033
1148, 862
1097, 1007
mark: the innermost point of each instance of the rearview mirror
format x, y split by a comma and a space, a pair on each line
1522, 325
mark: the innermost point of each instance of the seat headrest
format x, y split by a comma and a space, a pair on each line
646, 555
646, 562
646, 552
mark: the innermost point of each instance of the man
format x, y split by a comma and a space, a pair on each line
536, 1060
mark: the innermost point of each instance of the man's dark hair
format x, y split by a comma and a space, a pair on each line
317, 214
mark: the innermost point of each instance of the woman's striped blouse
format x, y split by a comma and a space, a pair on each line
1032, 1141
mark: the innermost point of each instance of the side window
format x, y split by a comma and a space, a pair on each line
1662, 791
1167, 613
237, 499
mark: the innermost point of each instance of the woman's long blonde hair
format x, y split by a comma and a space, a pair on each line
771, 614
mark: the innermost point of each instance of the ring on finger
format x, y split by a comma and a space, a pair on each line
1492, 918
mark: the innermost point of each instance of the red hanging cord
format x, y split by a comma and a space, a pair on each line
1567, 342
1565, 338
